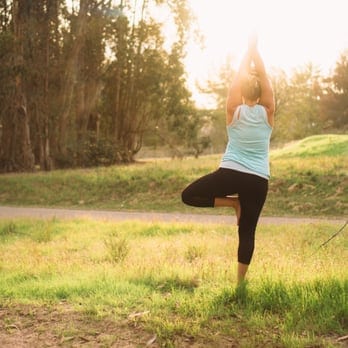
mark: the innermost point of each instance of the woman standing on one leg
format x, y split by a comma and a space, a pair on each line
244, 168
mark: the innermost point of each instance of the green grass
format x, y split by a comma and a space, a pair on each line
309, 178
318, 145
182, 277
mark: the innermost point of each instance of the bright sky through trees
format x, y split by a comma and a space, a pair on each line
291, 33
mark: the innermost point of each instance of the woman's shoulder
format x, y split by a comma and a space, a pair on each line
262, 112
260, 108
268, 114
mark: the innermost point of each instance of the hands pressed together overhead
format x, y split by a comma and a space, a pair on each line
252, 43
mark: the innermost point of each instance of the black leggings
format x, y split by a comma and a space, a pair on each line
252, 192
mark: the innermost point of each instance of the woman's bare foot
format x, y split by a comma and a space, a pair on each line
229, 201
236, 206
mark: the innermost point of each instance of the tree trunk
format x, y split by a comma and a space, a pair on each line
17, 154
43, 121
70, 78
87, 97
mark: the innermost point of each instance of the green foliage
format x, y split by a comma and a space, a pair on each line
297, 104
95, 153
334, 101
145, 85
110, 62
99, 68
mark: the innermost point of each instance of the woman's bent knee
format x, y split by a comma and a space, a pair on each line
194, 200
186, 197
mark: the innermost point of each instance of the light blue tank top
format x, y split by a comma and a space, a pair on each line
248, 141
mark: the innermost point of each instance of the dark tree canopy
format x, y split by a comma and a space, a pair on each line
81, 82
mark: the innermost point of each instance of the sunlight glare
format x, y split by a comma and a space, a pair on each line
291, 33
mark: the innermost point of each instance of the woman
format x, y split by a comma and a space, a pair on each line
244, 168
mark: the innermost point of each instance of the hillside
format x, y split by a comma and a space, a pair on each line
308, 178
315, 146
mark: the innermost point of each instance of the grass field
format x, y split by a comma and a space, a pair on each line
177, 281
130, 284
309, 178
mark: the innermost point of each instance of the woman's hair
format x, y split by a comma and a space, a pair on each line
250, 87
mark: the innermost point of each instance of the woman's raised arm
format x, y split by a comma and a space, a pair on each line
267, 96
234, 98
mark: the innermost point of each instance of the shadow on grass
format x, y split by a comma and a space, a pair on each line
167, 284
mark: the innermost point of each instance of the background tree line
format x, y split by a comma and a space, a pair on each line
307, 101
88, 82
82, 81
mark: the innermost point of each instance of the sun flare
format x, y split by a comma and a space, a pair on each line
291, 33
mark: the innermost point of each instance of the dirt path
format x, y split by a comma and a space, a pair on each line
30, 326
46, 213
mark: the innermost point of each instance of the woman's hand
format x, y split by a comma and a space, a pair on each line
252, 44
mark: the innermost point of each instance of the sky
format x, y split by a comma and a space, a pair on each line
291, 33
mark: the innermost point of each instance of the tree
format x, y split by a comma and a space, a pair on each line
91, 69
297, 103
87, 78
281, 90
35, 58
216, 119
75, 43
145, 84
334, 101
42, 75
16, 150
